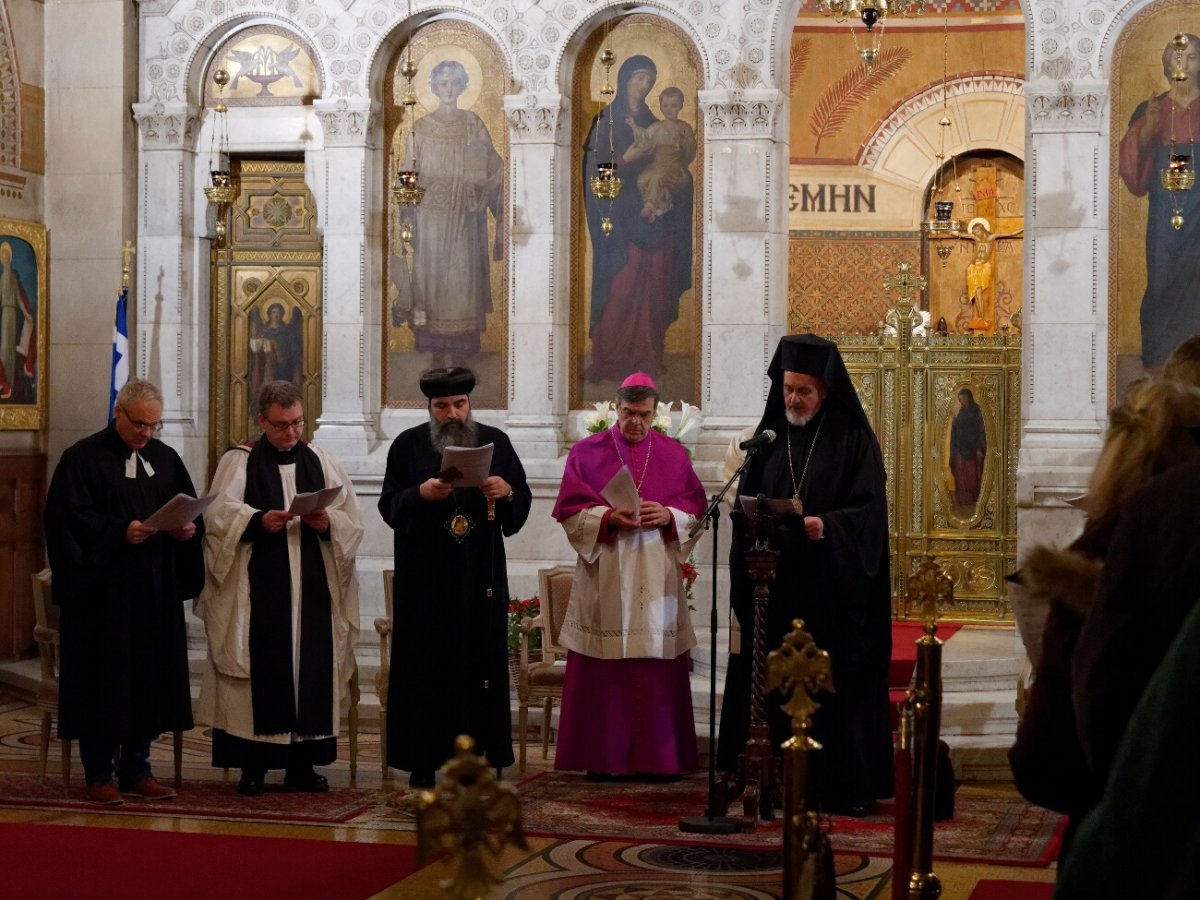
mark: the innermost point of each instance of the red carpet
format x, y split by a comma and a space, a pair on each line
209, 799
991, 889
998, 830
63, 861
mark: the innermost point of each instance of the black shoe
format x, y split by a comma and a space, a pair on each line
306, 780
421, 778
250, 785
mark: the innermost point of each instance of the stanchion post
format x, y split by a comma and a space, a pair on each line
928, 588
798, 669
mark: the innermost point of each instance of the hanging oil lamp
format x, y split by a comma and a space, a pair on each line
605, 184
220, 189
1180, 174
942, 224
407, 189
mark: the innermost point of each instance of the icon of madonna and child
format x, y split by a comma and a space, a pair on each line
643, 266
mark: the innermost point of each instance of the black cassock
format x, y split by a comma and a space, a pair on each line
840, 586
449, 672
124, 653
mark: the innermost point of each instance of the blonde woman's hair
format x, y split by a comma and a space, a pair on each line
1184, 362
1148, 433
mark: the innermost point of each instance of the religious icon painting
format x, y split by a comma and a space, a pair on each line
1154, 269
636, 251
267, 299
966, 426
446, 285
23, 318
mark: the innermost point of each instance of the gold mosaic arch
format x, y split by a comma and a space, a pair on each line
268, 65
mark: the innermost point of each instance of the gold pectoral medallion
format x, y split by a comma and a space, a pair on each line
797, 504
459, 526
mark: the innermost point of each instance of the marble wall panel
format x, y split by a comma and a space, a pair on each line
88, 142
99, 28
738, 267
1069, 277
1064, 190
738, 172
1063, 361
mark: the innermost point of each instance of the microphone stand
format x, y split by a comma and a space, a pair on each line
709, 823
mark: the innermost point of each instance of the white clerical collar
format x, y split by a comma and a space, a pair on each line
131, 465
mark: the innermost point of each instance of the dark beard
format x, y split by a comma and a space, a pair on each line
453, 434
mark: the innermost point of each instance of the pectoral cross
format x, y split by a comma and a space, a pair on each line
128, 252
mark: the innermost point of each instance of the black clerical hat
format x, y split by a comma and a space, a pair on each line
447, 382
820, 358
808, 355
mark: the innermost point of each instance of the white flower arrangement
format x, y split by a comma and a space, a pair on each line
605, 414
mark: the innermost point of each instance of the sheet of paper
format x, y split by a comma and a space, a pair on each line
621, 492
778, 508
178, 511
466, 466
303, 504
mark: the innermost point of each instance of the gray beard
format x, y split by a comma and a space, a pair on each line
796, 419
453, 434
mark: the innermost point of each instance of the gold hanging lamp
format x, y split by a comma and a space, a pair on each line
942, 224
406, 188
220, 189
1180, 174
871, 13
605, 184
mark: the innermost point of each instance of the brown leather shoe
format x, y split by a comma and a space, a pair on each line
148, 788
104, 793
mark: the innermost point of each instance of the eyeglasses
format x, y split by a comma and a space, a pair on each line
625, 413
138, 425
297, 424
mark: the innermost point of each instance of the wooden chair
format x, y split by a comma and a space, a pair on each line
540, 674
383, 627
352, 721
46, 633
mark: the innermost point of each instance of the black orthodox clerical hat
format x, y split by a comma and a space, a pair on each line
820, 358
450, 381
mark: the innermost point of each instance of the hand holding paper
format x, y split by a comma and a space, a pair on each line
306, 504
466, 466
177, 512
621, 492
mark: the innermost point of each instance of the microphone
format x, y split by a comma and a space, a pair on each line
765, 436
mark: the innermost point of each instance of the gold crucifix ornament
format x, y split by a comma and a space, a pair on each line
797, 504
905, 283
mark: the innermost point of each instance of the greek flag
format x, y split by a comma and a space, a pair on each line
120, 353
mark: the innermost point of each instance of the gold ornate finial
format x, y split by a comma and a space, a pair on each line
905, 282
930, 589
471, 811
128, 252
798, 669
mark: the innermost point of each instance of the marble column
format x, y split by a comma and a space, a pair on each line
350, 204
538, 207
1064, 368
745, 277
168, 310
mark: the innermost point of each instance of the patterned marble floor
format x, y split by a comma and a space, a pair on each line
577, 869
